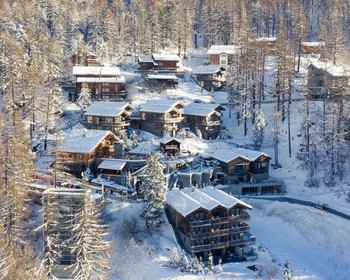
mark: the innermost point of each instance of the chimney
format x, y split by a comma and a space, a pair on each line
118, 149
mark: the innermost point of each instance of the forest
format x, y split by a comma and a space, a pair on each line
39, 37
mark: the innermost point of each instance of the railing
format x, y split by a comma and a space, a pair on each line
117, 123
220, 245
219, 232
227, 219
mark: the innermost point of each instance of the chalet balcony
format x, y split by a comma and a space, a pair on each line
220, 232
247, 240
117, 123
171, 127
221, 220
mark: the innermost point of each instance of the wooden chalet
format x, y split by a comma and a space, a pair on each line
245, 172
222, 54
209, 77
105, 83
170, 146
113, 116
80, 148
205, 117
161, 81
268, 44
209, 220
242, 165
313, 49
85, 58
113, 170
159, 62
327, 81
160, 117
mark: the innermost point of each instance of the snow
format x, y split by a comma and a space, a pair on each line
165, 57
112, 164
227, 156
315, 242
96, 71
334, 70
313, 44
118, 80
188, 200
199, 112
108, 109
82, 140
161, 77
160, 108
206, 69
219, 49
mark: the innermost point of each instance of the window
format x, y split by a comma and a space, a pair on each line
239, 169
223, 59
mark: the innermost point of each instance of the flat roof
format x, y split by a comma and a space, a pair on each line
112, 164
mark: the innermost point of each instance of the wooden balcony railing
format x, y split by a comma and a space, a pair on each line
242, 217
220, 232
220, 245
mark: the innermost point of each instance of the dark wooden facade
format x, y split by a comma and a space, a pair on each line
170, 147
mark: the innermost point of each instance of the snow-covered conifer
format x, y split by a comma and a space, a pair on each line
184, 264
210, 264
287, 273
259, 128
174, 260
154, 191
219, 268
84, 99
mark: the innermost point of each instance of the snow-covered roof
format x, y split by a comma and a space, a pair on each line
329, 67
227, 156
118, 80
165, 57
161, 77
200, 112
218, 49
206, 106
108, 109
96, 71
167, 139
82, 140
112, 164
146, 59
166, 102
225, 199
207, 69
188, 200
313, 44
157, 109
266, 39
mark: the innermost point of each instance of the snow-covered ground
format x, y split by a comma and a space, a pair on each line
316, 243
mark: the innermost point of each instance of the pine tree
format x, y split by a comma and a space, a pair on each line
174, 260
287, 273
184, 263
88, 242
259, 129
155, 189
210, 264
219, 268
84, 99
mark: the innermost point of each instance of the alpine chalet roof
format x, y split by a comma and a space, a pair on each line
219, 49
161, 77
112, 164
167, 139
333, 70
108, 109
227, 156
157, 108
313, 44
165, 57
207, 69
200, 112
82, 140
97, 80
188, 200
96, 71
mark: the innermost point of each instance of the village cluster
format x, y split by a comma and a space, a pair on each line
111, 153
